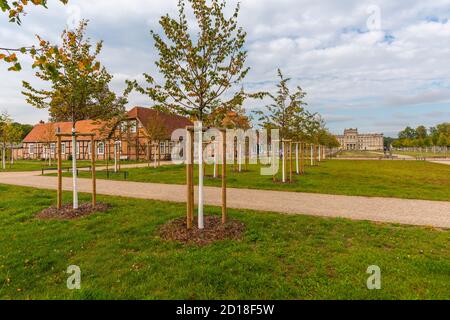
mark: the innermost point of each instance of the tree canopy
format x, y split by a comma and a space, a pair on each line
198, 70
15, 10
79, 84
423, 137
287, 110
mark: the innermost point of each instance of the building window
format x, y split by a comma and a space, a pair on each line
162, 147
89, 148
123, 127
53, 148
133, 127
63, 148
118, 147
101, 148
31, 148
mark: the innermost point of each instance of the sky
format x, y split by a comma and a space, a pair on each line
378, 66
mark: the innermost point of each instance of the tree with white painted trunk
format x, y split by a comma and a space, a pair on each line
10, 134
79, 85
284, 113
5, 125
200, 64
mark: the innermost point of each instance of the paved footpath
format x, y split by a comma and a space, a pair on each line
403, 211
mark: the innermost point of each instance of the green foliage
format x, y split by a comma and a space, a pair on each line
10, 133
288, 113
287, 110
421, 137
198, 71
79, 84
280, 257
15, 10
24, 128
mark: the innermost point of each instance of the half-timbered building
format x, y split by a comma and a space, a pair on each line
129, 139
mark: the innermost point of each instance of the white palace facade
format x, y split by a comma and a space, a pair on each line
352, 140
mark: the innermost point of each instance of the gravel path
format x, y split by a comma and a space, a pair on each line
402, 211
447, 162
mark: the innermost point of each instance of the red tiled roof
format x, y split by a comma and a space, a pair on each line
171, 121
41, 132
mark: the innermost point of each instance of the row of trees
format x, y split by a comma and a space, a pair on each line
15, 10
438, 136
197, 72
288, 113
203, 73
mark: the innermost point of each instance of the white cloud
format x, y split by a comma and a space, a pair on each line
323, 46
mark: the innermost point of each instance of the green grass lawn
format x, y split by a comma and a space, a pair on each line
400, 179
37, 165
280, 257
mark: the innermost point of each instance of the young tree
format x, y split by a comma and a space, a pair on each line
16, 9
49, 137
15, 134
198, 71
286, 110
79, 85
156, 132
5, 123
10, 134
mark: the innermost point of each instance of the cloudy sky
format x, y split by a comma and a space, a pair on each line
376, 65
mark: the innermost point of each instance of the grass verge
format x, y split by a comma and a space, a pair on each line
279, 257
396, 179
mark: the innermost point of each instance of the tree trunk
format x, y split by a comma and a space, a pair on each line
149, 153
115, 157
4, 158
155, 161
159, 153
74, 169
201, 222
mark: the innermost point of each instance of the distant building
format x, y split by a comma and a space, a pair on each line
352, 140
129, 138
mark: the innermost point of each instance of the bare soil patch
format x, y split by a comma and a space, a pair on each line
68, 213
176, 230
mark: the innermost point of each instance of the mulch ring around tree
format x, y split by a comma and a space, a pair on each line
176, 230
68, 213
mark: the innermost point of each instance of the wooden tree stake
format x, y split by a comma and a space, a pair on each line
94, 182
189, 179
291, 168
224, 177
59, 193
